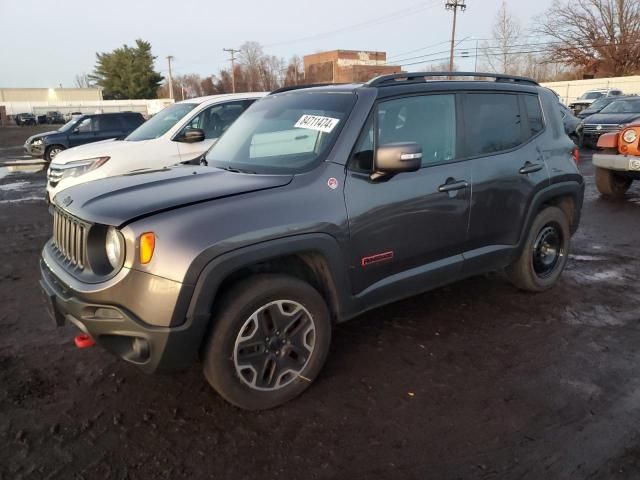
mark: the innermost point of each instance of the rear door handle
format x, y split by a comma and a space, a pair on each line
529, 167
453, 186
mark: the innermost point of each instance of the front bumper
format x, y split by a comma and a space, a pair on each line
119, 329
621, 163
34, 150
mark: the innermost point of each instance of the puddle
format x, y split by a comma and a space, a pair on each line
27, 161
586, 258
14, 186
24, 199
21, 168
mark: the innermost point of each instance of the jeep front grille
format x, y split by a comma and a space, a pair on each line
70, 238
593, 128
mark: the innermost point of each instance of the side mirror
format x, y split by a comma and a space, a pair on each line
395, 158
191, 135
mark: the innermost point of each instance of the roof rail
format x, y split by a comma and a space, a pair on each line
299, 87
422, 77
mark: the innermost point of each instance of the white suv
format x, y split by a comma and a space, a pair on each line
179, 133
590, 96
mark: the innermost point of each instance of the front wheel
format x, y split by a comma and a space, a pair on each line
269, 341
51, 152
611, 184
545, 253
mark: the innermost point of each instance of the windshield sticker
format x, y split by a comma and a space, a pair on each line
316, 122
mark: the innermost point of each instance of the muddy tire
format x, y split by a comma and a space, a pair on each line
51, 152
545, 252
269, 341
611, 184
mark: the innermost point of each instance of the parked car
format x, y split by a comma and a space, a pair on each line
599, 104
590, 96
618, 164
85, 129
610, 119
179, 133
572, 124
25, 119
73, 115
317, 205
55, 117
41, 119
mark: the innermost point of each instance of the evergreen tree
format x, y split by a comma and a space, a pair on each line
127, 72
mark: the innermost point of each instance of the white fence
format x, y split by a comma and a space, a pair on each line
146, 107
571, 90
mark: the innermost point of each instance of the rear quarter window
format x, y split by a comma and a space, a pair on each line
535, 119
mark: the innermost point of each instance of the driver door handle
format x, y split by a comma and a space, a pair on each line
453, 186
529, 167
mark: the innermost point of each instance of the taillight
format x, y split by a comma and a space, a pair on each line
576, 155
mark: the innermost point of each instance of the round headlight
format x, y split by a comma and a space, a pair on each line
630, 136
114, 247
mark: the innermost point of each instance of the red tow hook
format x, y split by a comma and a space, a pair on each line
84, 341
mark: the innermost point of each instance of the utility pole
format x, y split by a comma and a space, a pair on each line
169, 58
233, 52
454, 5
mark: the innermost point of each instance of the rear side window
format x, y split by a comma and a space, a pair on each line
535, 119
132, 121
492, 122
108, 122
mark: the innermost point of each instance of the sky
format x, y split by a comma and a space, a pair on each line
48, 43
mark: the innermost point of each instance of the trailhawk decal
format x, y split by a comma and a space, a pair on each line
316, 122
378, 258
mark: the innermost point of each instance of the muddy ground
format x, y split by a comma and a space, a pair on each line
472, 381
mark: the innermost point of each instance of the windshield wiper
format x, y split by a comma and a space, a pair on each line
236, 170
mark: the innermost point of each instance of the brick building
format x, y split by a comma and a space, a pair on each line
346, 66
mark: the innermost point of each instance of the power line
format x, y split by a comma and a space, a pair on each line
541, 47
392, 16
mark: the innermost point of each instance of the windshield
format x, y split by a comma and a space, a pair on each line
622, 106
598, 105
161, 122
69, 125
284, 133
591, 95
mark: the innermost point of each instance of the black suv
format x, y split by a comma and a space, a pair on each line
85, 129
316, 205
25, 119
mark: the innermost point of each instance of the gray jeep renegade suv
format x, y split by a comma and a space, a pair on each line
317, 205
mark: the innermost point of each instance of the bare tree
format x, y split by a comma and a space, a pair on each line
294, 74
82, 80
501, 53
251, 57
597, 36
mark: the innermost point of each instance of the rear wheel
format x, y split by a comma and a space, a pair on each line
545, 253
51, 152
611, 184
269, 341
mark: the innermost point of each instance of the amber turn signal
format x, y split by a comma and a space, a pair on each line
147, 244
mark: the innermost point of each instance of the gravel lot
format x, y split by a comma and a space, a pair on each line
472, 381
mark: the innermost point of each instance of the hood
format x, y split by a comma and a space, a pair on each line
583, 102
105, 148
611, 118
118, 200
41, 135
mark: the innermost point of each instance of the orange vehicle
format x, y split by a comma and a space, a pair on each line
618, 162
